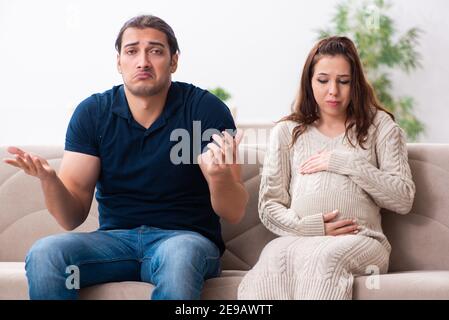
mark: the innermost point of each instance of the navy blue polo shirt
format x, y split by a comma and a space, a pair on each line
151, 176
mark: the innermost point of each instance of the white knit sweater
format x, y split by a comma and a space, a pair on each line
358, 183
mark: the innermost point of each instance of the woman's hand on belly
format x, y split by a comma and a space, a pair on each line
316, 163
340, 227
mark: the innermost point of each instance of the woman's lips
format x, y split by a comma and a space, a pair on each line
333, 103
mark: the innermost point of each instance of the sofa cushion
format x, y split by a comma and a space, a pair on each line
13, 282
401, 285
222, 288
415, 285
14, 286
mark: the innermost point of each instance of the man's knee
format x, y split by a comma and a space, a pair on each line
189, 247
185, 252
48, 252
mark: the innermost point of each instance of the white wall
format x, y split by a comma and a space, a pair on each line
55, 53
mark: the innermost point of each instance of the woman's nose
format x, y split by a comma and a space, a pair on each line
333, 88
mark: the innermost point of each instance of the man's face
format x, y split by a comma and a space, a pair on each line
145, 61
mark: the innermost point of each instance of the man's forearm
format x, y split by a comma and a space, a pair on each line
229, 198
63, 205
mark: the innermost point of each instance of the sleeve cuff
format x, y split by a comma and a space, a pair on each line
339, 162
81, 149
313, 225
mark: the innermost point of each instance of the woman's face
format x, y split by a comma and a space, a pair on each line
331, 85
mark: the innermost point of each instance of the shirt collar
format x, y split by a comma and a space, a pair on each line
120, 105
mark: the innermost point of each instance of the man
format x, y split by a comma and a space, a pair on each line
159, 217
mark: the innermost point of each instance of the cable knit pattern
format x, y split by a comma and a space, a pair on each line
304, 263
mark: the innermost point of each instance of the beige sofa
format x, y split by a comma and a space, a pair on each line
419, 266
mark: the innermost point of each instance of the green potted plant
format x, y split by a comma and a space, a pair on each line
224, 96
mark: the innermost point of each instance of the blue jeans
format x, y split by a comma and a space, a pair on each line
176, 262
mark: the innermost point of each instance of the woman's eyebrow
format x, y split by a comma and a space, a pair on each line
338, 75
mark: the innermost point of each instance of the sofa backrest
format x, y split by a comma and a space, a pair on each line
419, 239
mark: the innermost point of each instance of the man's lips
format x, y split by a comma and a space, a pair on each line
143, 75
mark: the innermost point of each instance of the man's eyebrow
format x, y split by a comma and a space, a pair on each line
131, 44
156, 43
153, 43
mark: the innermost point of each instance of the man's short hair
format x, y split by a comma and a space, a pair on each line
149, 21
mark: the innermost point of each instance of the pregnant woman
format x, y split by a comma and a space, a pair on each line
330, 166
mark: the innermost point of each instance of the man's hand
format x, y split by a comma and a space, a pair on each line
33, 165
341, 227
316, 163
218, 159
68, 194
222, 172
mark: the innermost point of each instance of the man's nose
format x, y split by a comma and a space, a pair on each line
144, 61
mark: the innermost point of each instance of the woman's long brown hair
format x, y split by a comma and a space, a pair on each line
363, 104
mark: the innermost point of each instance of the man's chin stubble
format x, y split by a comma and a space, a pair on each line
144, 91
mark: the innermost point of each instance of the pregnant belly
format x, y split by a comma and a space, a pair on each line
349, 205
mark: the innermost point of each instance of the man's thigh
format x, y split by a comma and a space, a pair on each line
99, 256
176, 251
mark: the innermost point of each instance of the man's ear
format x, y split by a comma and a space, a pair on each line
174, 63
119, 68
